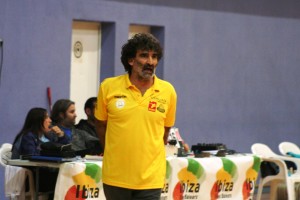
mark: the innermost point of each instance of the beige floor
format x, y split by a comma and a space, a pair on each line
281, 193
264, 197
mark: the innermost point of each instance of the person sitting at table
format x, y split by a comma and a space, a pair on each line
36, 130
63, 115
88, 124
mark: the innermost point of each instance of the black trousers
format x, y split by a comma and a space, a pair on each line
118, 193
47, 180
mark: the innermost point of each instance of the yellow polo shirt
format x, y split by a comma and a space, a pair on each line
134, 154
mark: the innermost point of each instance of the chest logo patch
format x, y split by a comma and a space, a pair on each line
152, 106
120, 103
161, 108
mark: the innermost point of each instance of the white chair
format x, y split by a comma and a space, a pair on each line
285, 147
5, 152
283, 175
15, 177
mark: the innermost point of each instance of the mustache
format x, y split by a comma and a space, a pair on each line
147, 66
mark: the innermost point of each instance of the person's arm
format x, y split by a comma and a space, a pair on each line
101, 130
57, 135
166, 135
29, 145
57, 131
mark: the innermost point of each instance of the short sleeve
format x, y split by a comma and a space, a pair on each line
171, 115
101, 107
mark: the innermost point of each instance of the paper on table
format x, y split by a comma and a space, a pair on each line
93, 157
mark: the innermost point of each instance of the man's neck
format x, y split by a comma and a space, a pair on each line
142, 84
91, 122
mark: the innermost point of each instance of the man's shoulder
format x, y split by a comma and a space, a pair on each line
84, 125
115, 83
81, 123
82, 133
76, 130
114, 79
160, 83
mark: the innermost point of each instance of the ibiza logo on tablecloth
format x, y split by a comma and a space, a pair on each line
251, 175
86, 183
165, 190
226, 177
190, 179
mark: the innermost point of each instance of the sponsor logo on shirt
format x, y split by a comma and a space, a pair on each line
120, 96
159, 100
152, 106
161, 108
120, 103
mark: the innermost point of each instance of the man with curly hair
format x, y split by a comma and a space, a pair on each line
134, 113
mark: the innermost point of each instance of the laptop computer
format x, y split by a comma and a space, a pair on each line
49, 158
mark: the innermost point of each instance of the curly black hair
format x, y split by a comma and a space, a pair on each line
90, 103
140, 41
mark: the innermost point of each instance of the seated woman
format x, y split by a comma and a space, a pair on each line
37, 130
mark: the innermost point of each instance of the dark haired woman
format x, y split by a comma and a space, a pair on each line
37, 130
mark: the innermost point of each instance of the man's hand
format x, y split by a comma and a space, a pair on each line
101, 130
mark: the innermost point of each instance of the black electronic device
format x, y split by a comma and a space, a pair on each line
47, 158
200, 147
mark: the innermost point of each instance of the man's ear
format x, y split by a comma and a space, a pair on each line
130, 61
88, 111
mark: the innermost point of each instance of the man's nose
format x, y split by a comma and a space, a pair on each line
150, 60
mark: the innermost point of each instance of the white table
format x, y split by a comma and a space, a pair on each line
24, 163
35, 165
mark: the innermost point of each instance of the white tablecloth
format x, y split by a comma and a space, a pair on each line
231, 177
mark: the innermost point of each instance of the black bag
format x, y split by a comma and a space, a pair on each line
53, 149
268, 168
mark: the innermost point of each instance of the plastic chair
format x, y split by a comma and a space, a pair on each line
283, 175
15, 177
285, 147
5, 153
